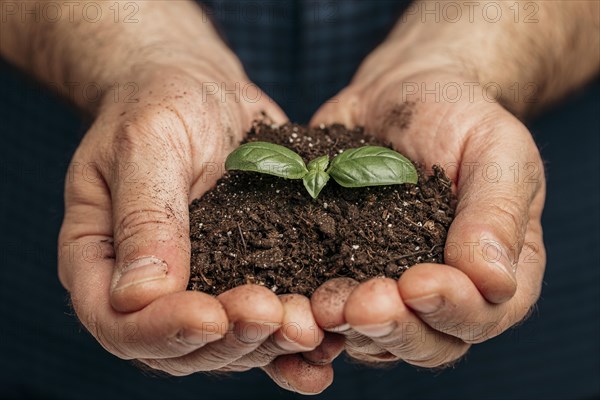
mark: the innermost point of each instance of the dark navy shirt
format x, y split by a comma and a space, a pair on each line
302, 52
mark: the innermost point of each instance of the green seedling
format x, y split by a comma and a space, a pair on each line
353, 168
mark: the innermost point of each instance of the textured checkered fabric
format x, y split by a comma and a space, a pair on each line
303, 52
300, 52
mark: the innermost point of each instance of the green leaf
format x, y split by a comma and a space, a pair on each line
314, 182
319, 164
267, 158
372, 166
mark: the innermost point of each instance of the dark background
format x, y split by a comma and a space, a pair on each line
45, 354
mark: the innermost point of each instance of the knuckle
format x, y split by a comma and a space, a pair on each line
126, 140
512, 216
135, 219
162, 130
144, 125
133, 222
350, 98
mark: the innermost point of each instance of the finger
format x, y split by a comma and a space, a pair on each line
85, 235
328, 303
210, 151
256, 313
487, 234
447, 300
393, 327
344, 108
171, 326
292, 372
267, 109
298, 332
149, 208
329, 349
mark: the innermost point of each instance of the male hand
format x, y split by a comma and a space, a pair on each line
494, 254
124, 244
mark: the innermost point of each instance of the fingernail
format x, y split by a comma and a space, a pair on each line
192, 337
339, 329
140, 271
289, 345
498, 255
376, 330
315, 357
508, 265
195, 337
426, 304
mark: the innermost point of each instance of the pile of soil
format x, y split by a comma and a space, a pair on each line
261, 229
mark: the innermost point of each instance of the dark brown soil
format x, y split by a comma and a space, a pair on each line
256, 228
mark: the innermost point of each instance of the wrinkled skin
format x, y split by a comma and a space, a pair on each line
164, 152
124, 244
494, 255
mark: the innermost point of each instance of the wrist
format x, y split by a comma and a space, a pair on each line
184, 91
528, 53
159, 67
210, 59
84, 59
449, 75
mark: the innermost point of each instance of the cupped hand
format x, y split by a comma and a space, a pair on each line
124, 244
494, 254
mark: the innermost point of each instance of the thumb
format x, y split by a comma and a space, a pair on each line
495, 205
149, 214
343, 108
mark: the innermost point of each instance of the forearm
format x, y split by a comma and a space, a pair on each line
542, 49
109, 42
